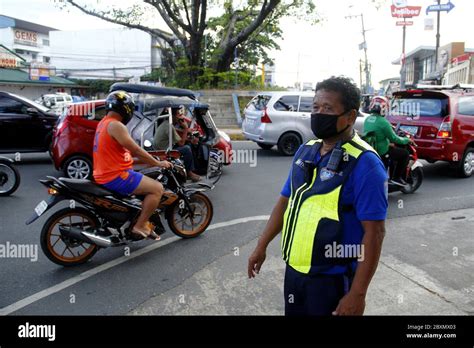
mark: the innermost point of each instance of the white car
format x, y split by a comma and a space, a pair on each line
56, 102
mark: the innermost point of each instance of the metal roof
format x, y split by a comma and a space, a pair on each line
21, 24
19, 77
138, 88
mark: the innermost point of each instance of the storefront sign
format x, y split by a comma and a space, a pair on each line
405, 12
25, 37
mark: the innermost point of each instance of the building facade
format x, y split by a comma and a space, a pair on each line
421, 66
112, 54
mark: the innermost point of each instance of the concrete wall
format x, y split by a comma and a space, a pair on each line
221, 105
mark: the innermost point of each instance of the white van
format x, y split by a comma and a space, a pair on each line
56, 102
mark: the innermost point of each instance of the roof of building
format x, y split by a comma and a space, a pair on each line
420, 50
21, 24
20, 77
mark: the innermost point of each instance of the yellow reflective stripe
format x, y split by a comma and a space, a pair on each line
352, 150
295, 218
310, 214
288, 213
312, 142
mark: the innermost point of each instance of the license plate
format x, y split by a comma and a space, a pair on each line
410, 129
41, 208
250, 122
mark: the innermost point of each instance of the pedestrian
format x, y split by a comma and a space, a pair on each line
331, 211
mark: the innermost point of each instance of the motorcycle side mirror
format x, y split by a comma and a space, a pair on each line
147, 143
397, 127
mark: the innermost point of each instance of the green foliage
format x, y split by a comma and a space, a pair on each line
96, 86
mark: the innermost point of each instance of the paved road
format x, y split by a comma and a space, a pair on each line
243, 191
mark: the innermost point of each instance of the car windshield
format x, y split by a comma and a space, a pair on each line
33, 103
416, 107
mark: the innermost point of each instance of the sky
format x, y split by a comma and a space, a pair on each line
309, 53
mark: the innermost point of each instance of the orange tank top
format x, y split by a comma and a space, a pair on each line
109, 157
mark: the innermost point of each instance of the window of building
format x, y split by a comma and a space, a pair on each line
46, 59
287, 103
19, 51
34, 55
45, 42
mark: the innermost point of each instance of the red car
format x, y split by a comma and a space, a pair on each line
441, 120
73, 139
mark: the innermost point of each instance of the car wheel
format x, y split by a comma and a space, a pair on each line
466, 166
265, 146
78, 167
289, 144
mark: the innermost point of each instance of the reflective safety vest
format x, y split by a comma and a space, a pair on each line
312, 219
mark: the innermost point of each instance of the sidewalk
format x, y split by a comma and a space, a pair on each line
235, 133
398, 288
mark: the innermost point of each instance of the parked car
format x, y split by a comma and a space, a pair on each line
442, 121
55, 102
73, 138
25, 126
282, 119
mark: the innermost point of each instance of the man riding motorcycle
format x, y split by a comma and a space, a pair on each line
386, 138
112, 160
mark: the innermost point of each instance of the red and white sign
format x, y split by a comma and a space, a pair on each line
462, 58
8, 60
25, 37
405, 12
402, 23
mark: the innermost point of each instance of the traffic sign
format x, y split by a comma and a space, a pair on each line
401, 23
405, 12
441, 7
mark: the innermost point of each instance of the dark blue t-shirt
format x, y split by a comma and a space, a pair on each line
366, 189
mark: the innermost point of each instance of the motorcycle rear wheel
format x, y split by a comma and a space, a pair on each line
50, 237
180, 222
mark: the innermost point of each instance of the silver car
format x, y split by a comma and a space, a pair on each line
279, 118
282, 119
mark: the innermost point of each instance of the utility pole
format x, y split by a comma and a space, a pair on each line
438, 16
360, 72
403, 68
366, 64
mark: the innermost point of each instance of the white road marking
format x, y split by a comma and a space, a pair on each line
87, 274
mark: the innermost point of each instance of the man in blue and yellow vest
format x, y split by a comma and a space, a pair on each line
331, 211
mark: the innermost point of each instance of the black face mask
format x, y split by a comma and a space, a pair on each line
324, 126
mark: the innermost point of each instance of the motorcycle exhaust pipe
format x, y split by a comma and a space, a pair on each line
77, 233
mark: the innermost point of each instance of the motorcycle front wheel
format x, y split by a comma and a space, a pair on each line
180, 220
66, 251
9, 178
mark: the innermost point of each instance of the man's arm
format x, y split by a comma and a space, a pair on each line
353, 303
272, 229
392, 136
184, 136
120, 133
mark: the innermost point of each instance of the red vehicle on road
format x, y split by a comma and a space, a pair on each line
441, 120
73, 136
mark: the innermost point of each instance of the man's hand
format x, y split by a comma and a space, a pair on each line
182, 122
166, 164
351, 304
255, 261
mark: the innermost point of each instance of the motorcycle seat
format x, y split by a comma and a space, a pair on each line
86, 186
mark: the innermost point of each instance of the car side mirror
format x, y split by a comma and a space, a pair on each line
32, 111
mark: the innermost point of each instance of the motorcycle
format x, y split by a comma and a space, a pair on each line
414, 169
9, 177
72, 235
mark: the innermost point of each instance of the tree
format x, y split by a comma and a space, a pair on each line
187, 20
